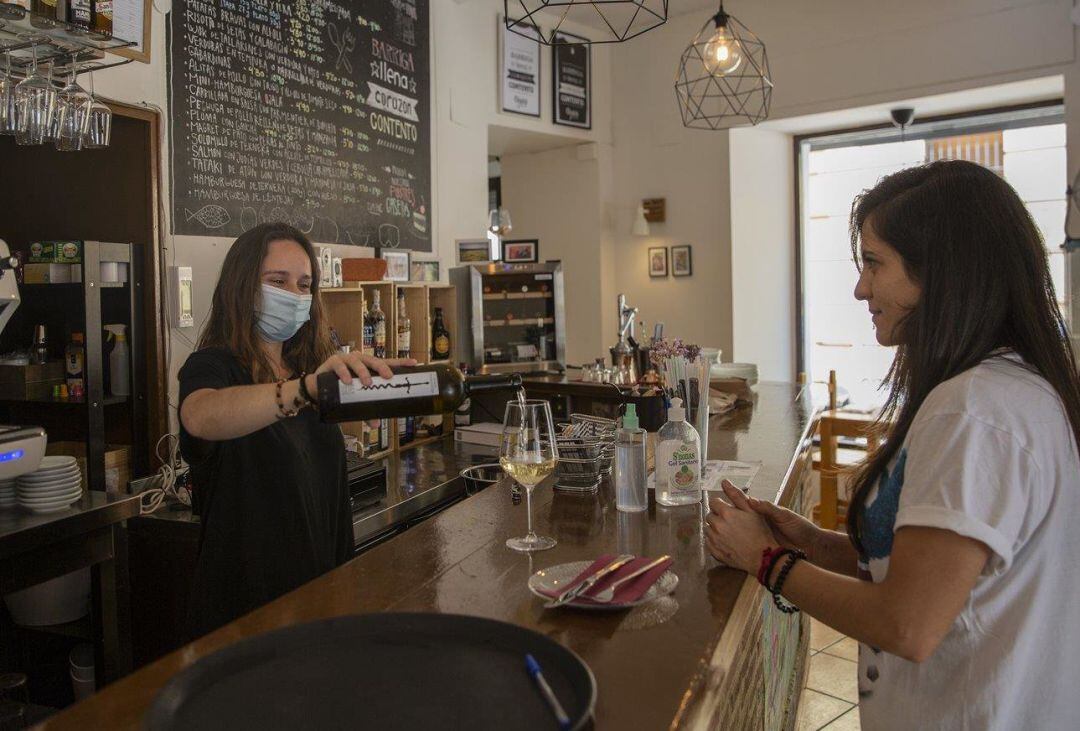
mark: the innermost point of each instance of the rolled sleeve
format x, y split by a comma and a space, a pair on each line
972, 478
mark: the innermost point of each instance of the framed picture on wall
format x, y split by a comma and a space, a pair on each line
424, 271
397, 265
681, 261
520, 251
657, 261
473, 251
519, 69
571, 88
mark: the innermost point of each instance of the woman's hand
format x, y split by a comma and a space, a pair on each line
735, 533
361, 365
789, 529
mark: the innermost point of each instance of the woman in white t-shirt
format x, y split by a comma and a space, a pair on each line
959, 573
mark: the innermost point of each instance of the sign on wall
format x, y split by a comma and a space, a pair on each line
520, 71
316, 114
571, 81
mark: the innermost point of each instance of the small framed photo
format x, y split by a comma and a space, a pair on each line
657, 261
521, 251
473, 251
424, 271
397, 264
682, 264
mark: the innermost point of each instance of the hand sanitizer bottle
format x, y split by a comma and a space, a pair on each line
631, 495
678, 462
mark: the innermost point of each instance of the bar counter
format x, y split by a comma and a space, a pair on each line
713, 654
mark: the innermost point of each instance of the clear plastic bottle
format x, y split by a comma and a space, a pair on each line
630, 489
678, 460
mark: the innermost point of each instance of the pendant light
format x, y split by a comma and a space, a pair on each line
723, 78
615, 20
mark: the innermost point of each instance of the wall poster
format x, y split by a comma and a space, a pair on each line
313, 113
571, 87
519, 70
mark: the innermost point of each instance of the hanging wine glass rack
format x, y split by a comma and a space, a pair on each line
58, 46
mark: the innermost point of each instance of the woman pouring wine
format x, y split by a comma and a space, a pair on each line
268, 474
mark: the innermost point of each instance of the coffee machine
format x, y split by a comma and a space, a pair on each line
625, 354
21, 447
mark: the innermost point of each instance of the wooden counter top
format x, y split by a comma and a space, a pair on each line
656, 666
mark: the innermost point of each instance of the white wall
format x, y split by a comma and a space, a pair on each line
762, 223
554, 196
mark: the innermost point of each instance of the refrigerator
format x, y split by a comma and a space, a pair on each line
511, 317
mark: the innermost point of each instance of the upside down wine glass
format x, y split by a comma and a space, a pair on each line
528, 454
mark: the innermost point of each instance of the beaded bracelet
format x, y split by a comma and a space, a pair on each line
305, 394
793, 558
768, 560
284, 413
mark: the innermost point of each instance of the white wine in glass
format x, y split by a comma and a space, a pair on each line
528, 455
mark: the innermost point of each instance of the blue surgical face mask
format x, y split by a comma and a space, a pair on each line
281, 313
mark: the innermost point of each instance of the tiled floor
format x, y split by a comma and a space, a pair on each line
830, 700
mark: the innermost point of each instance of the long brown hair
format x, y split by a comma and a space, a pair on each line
966, 238
232, 320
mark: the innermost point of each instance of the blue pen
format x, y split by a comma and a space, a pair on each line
545, 689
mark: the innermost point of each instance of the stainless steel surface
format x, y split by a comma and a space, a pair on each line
21, 530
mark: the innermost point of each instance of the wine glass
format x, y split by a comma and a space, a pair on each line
35, 98
9, 115
528, 454
98, 125
72, 110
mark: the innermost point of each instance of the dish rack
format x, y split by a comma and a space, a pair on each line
586, 452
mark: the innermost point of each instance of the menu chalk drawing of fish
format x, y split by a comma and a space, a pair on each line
210, 216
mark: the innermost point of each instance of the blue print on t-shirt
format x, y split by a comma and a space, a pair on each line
880, 516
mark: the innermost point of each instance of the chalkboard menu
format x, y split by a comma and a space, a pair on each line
572, 83
312, 112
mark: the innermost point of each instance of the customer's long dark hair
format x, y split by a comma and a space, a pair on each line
232, 321
967, 240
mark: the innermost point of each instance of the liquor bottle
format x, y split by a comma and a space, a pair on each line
463, 413
440, 337
369, 332
378, 327
75, 362
81, 13
40, 354
404, 327
412, 391
103, 18
43, 13
14, 9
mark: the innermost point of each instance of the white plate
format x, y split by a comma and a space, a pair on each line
42, 490
61, 480
46, 474
43, 509
54, 461
71, 496
51, 494
555, 579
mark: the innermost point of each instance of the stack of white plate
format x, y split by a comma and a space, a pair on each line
8, 498
746, 371
55, 485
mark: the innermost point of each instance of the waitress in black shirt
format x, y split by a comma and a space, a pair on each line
269, 476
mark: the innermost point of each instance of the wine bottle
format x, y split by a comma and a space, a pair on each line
412, 391
43, 13
103, 17
14, 9
440, 337
378, 326
404, 327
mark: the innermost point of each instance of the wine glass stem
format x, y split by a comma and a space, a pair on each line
530, 537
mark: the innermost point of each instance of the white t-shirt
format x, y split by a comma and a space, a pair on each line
991, 456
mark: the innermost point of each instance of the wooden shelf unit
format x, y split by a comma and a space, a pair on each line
344, 308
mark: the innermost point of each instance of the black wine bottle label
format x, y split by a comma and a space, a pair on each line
424, 384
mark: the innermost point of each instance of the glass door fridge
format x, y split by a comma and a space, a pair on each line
511, 316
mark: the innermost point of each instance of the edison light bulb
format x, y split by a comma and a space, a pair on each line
723, 54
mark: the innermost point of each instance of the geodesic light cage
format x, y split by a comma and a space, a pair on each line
711, 99
620, 20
